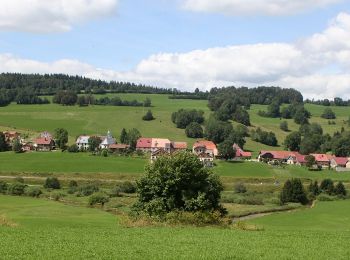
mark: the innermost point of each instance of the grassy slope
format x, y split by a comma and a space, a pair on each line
325, 216
49, 230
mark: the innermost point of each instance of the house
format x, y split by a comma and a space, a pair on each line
206, 159
44, 144
27, 147
323, 160
296, 158
118, 147
207, 147
241, 154
179, 146
159, 143
144, 144
83, 142
107, 141
10, 136
339, 162
281, 156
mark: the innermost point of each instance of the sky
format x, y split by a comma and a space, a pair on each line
184, 44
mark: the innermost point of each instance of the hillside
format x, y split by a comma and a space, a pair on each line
98, 119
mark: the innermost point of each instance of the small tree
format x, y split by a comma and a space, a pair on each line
194, 130
178, 182
147, 102
73, 148
123, 136
284, 126
3, 187
3, 144
148, 116
328, 114
98, 198
52, 183
310, 161
226, 150
293, 191
17, 145
61, 137
327, 186
340, 189
314, 189
292, 141
94, 143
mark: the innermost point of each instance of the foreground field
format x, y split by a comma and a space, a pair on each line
49, 230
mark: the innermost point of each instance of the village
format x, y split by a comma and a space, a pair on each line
206, 151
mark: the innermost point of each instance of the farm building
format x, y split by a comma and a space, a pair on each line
83, 142
10, 136
340, 162
206, 159
118, 147
44, 144
154, 144
281, 156
296, 159
206, 147
323, 160
107, 141
241, 154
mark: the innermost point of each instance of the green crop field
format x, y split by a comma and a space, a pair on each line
50, 230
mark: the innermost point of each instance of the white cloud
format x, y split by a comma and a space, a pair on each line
318, 66
255, 7
45, 16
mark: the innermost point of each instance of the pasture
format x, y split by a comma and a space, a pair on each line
50, 230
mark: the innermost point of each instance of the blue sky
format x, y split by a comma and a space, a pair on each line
120, 41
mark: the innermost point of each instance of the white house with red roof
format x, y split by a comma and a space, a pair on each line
281, 156
323, 160
154, 144
144, 144
204, 146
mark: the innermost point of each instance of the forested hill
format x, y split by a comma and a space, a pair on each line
50, 84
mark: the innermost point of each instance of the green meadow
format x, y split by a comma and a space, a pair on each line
51, 230
32, 119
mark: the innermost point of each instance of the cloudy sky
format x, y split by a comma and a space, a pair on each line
303, 44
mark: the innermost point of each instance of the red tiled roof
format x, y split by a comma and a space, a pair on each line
180, 145
341, 160
240, 152
208, 144
43, 141
279, 154
144, 143
119, 146
322, 157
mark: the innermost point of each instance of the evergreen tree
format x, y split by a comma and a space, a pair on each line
123, 136
340, 189
3, 144
148, 116
314, 189
293, 191
17, 145
327, 186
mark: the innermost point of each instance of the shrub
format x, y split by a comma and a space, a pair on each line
284, 126
148, 116
52, 183
3, 187
328, 114
240, 188
194, 218
251, 200
19, 179
126, 187
56, 196
73, 148
314, 189
87, 190
325, 197
16, 188
327, 186
104, 153
340, 189
33, 191
98, 198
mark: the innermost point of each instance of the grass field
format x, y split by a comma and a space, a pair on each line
49, 230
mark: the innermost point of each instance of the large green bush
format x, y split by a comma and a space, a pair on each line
52, 183
180, 182
16, 188
293, 191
